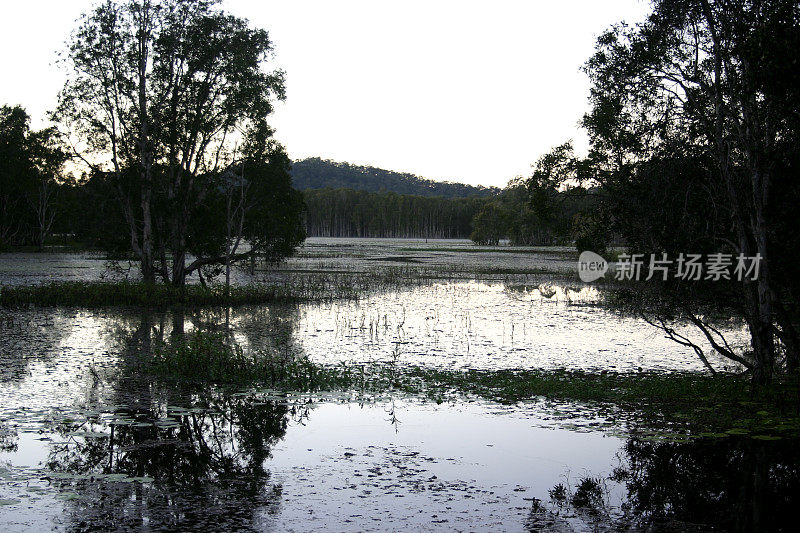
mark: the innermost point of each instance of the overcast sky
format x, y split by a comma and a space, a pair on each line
449, 90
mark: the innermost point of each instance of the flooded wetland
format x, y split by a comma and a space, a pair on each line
431, 266
400, 404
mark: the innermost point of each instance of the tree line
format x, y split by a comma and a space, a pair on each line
352, 213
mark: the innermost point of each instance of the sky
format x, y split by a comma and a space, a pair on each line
466, 91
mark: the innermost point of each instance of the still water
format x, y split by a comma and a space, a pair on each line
87, 442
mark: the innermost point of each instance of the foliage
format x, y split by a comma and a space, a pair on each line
693, 136
31, 164
489, 225
543, 209
165, 99
317, 173
590, 231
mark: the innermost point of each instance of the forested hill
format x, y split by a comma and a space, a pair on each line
317, 173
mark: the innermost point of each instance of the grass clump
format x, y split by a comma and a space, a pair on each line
86, 294
693, 403
724, 404
510, 386
204, 357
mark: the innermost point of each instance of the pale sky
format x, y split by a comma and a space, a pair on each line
468, 91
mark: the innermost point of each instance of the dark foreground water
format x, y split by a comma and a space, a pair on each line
266, 461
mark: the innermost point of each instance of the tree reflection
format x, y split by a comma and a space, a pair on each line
739, 484
730, 484
174, 455
268, 329
199, 464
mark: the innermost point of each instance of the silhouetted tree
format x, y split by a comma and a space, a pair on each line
164, 96
31, 162
694, 127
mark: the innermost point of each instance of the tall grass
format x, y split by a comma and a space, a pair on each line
89, 294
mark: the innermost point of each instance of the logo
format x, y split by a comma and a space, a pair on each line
691, 267
591, 266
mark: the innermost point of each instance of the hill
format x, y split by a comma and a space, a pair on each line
317, 173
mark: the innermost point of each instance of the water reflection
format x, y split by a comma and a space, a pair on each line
447, 325
489, 325
263, 328
125, 451
225, 460
730, 484
153, 464
739, 484
172, 455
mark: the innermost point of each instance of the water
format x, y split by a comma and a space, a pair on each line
87, 442
439, 257
268, 461
296, 465
491, 325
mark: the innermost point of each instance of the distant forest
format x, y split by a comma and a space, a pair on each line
351, 213
317, 173
346, 200
352, 201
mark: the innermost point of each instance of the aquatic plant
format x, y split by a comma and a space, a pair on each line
86, 294
212, 357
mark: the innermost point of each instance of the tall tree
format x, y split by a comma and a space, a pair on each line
14, 169
702, 98
31, 163
160, 95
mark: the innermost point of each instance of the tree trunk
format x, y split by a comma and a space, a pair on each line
788, 336
179, 267
763, 352
763, 336
145, 153
148, 270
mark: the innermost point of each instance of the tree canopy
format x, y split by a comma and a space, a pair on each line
164, 98
693, 127
31, 165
